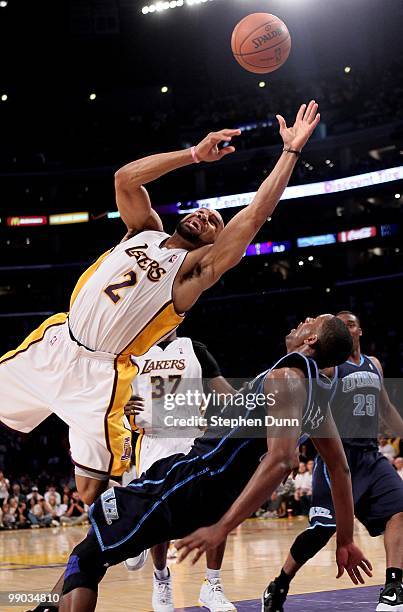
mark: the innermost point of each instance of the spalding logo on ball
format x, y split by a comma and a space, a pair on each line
261, 43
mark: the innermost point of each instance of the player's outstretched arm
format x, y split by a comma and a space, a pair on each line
392, 421
290, 393
132, 197
348, 556
204, 268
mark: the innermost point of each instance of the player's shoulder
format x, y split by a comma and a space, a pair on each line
376, 363
198, 345
150, 234
286, 382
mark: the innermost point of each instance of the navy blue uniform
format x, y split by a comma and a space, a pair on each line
377, 488
181, 493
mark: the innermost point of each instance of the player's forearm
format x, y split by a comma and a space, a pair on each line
150, 168
393, 422
259, 489
230, 247
270, 191
343, 502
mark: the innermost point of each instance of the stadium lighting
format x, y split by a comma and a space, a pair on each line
164, 89
161, 6
310, 258
397, 196
347, 69
262, 84
4, 98
3, 3
300, 263
93, 96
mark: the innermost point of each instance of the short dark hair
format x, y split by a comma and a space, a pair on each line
348, 312
334, 345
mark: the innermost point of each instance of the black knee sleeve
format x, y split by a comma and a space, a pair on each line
84, 568
310, 542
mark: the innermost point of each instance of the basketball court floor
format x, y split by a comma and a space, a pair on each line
32, 560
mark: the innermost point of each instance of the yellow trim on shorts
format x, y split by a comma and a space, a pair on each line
137, 453
36, 335
118, 437
85, 276
163, 322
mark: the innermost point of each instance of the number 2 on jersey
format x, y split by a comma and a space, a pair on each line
112, 290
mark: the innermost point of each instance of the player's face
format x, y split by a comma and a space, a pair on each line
201, 227
310, 328
353, 327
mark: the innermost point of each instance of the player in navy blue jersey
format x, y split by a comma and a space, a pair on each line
359, 403
230, 471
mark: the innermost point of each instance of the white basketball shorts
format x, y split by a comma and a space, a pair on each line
51, 373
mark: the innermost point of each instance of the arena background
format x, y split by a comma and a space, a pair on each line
86, 86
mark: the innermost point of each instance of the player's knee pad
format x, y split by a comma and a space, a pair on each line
310, 542
84, 569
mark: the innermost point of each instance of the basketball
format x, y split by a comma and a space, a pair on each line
261, 43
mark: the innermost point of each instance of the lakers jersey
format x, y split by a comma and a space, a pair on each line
123, 303
166, 371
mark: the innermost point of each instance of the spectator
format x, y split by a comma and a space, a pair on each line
285, 493
65, 505
22, 520
16, 493
53, 507
4, 489
399, 466
303, 489
387, 449
34, 495
77, 513
40, 513
9, 515
52, 491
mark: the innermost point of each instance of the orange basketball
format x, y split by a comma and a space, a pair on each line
261, 43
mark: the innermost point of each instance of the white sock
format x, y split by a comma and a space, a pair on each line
162, 574
213, 574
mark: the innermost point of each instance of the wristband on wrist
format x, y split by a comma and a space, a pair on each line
194, 155
289, 150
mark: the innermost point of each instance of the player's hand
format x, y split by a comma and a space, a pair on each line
351, 559
306, 121
200, 540
207, 150
134, 406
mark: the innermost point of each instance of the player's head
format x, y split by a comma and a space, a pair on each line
326, 339
200, 227
354, 326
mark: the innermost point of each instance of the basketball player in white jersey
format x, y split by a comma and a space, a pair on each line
78, 365
174, 366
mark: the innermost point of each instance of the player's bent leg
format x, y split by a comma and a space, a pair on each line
162, 598
305, 547
212, 594
391, 597
89, 488
84, 571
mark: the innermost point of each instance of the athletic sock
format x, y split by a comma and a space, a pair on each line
212, 574
162, 574
394, 574
283, 579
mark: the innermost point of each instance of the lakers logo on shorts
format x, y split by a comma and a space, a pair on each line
127, 449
